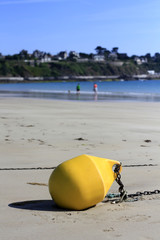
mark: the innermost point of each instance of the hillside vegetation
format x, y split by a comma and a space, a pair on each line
14, 68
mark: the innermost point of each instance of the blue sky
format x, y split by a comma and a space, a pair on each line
80, 25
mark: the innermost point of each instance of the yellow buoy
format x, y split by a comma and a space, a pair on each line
82, 182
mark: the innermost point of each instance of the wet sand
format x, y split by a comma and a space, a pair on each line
43, 133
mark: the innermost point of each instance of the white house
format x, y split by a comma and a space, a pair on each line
151, 72
74, 54
113, 56
45, 58
99, 58
62, 55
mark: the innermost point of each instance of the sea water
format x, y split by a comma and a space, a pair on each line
143, 90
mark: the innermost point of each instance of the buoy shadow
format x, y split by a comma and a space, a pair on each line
37, 205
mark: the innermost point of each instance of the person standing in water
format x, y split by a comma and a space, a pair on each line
78, 88
95, 87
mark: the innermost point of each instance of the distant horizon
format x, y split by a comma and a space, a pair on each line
80, 25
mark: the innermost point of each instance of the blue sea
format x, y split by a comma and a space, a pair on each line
139, 90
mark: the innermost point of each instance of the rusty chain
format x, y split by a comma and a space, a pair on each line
123, 196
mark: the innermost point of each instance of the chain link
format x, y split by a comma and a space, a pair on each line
122, 191
138, 194
130, 197
123, 196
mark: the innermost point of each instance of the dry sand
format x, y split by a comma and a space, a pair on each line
43, 133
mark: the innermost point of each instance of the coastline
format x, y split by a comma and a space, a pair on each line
4, 79
37, 133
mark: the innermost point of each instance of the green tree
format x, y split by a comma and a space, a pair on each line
100, 50
148, 56
157, 57
115, 50
5, 68
84, 55
23, 54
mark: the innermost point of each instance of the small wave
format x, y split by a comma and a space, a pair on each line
83, 95
93, 93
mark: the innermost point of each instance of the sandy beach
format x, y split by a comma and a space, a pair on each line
38, 133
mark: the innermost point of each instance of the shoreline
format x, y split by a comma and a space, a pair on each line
4, 79
82, 96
